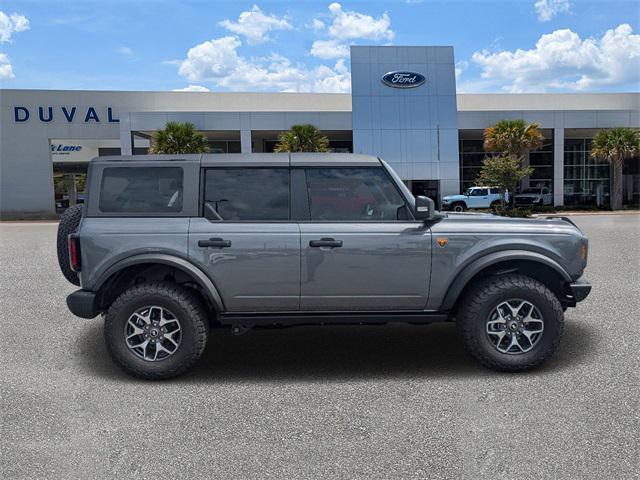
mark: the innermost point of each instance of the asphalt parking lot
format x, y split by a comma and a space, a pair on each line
322, 402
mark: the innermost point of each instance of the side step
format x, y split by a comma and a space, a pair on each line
331, 318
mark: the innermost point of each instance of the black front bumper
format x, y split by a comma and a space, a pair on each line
83, 304
578, 290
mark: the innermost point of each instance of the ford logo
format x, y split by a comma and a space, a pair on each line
403, 79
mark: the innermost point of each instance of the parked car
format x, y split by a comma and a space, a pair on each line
169, 248
474, 197
534, 196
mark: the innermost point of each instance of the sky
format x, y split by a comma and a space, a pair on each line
500, 46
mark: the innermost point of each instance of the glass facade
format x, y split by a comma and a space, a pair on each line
472, 154
586, 180
542, 162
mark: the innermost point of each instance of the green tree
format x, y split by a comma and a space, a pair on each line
513, 139
302, 138
615, 146
178, 137
504, 172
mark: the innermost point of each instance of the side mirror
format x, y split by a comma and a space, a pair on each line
424, 208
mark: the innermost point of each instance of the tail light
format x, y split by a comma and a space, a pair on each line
73, 242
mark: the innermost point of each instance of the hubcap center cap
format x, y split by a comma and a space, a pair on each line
154, 332
513, 326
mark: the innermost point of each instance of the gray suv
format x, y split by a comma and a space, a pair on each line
167, 248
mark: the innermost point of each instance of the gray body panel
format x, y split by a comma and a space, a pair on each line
260, 271
380, 266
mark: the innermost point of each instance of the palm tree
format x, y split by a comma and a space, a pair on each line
615, 146
302, 138
513, 137
177, 137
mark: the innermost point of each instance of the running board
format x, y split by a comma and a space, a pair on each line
331, 318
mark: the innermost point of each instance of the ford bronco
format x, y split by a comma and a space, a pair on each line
167, 248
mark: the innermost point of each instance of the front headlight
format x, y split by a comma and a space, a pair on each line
445, 200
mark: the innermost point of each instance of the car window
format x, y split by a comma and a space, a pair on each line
141, 190
478, 192
248, 194
545, 191
353, 194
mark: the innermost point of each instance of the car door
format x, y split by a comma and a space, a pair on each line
361, 249
479, 198
245, 240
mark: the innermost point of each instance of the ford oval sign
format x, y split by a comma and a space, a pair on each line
403, 79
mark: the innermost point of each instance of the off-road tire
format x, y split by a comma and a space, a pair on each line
495, 205
69, 222
456, 205
183, 303
484, 297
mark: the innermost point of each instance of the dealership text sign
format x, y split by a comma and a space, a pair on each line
69, 114
403, 79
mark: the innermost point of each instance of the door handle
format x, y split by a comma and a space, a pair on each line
325, 242
214, 242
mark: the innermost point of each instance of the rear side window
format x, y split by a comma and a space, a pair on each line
353, 194
155, 190
248, 194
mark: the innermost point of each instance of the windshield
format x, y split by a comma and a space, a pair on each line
531, 190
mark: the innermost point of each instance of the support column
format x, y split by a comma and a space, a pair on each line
558, 167
245, 141
126, 139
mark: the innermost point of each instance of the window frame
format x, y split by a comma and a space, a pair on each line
203, 188
301, 189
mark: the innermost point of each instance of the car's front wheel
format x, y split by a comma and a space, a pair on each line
156, 330
458, 207
510, 323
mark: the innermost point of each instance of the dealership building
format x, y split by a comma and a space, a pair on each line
414, 119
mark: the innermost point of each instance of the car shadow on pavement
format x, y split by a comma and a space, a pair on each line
335, 353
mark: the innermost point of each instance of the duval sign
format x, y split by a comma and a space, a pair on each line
401, 79
65, 113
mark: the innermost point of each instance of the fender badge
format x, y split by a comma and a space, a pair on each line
442, 241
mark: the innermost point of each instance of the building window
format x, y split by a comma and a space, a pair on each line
224, 146
542, 162
586, 180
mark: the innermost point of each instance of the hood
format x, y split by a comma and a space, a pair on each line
487, 221
454, 197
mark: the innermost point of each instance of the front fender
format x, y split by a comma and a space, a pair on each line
208, 287
462, 278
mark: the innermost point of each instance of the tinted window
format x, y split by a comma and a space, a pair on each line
141, 190
357, 194
248, 193
478, 192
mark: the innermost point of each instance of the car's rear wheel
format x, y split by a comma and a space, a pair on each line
458, 207
510, 323
156, 330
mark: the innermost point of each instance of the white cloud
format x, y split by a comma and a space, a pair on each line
347, 25
6, 70
329, 49
547, 9
192, 88
254, 25
10, 24
126, 51
561, 60
218, 61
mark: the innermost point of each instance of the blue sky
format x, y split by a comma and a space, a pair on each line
512, 46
